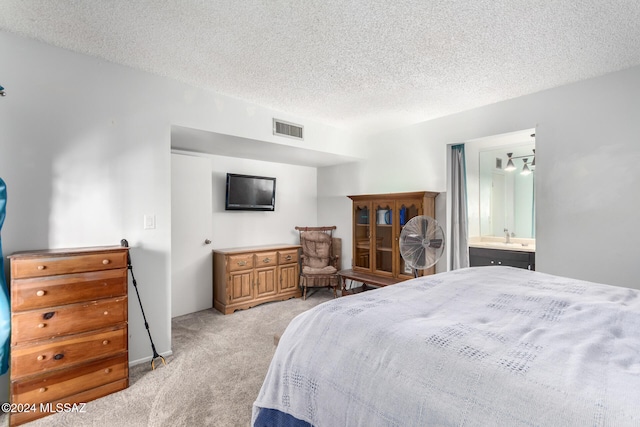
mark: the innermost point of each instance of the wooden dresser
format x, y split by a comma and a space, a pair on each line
69, 328
246, 277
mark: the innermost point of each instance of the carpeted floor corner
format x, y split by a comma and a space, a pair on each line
216, 371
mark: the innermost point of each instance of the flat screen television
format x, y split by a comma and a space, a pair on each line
250, 193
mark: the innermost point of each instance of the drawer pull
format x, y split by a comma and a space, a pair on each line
266, 260
242, 263
288, 257
58, 356
105, 342
42, 389
107, 371
41, 267
40, 293
48, 315
105, 261
41, 358
41, 325
105, 312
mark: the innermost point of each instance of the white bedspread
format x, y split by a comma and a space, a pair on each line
475, 347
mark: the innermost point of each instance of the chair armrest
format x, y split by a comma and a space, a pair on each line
335, 260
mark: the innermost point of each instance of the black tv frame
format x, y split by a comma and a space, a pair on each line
247, 206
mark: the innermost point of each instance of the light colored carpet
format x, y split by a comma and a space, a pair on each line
216, 371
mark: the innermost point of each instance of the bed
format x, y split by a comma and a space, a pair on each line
474, 347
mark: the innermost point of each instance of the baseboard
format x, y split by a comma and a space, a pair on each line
148, 359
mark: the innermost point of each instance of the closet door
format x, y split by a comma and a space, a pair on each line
191, 216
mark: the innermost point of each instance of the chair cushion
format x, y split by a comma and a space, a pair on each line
316, 248
324, 270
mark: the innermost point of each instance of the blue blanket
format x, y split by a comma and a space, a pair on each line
5, 317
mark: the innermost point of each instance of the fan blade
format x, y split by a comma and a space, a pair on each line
413, 239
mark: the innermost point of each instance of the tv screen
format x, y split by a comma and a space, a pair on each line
250, 193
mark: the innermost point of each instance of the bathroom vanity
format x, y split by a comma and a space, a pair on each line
515, 254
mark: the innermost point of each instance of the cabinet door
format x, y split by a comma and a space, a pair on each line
383, 240
265, 282
404, 211
480, 257
289, 277
362, 236
240, 284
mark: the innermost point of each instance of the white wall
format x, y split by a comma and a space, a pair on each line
587, 171
85, 153
296, 204
397, 161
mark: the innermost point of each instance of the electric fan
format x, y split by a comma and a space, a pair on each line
421, 243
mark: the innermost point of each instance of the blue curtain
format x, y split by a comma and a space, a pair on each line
5, 312
458, 241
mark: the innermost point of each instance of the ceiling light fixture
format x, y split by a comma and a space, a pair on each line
533, 162
510, 166
525, 169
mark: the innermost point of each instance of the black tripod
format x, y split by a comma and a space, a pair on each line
125, 244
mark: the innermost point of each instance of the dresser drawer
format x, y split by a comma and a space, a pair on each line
288, 257
66, 382
64, 320
60, 353
240, 262
265, 259
22, 267
18, 418
27, 294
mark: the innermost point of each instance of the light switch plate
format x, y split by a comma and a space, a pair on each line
149, 222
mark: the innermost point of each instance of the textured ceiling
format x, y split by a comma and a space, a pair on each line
361, 64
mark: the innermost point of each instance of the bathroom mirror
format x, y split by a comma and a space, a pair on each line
507, 198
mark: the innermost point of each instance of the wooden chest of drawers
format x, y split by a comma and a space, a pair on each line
246, 277
69, 341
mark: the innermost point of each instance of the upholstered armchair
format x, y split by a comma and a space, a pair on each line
319, 262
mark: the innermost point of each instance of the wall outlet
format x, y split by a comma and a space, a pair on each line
149, 222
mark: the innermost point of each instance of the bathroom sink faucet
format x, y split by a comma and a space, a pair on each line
506, 234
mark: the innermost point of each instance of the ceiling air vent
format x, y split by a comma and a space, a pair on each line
290, 130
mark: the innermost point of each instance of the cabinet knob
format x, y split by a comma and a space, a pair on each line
58, 356
40, 358
242, 263
107, 371
105, 312
266, 260
105, 342
42, 389
207, 241
105, 261
288, 257
41, 267
41, 325
40, 293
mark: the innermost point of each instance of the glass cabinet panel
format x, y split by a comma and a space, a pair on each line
384, 238
362, 235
